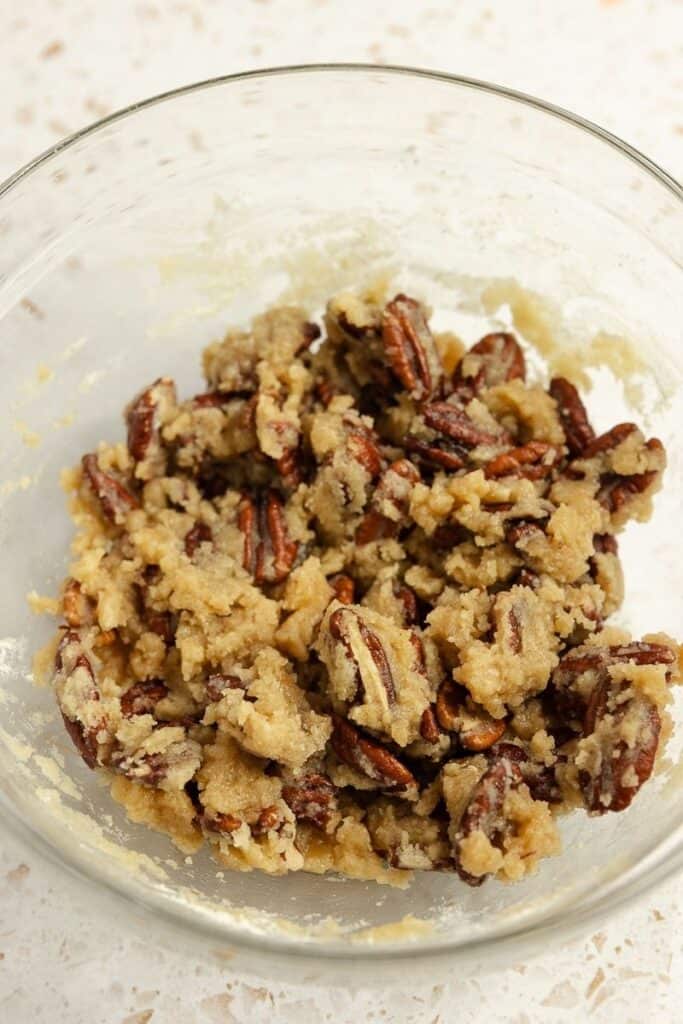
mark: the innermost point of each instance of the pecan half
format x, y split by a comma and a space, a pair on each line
498, 359
578, 431
388, 512
312, 798
475, 728
144, 434
116, 501
368, 756
410, 348
142, 698
453, 423
532, 461
269, 554
485, 811
625, 761
339, 626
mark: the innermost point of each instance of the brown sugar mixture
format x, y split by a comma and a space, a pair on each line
346, 609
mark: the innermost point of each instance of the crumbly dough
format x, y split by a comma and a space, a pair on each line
345, 610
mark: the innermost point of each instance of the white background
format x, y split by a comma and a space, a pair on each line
64, 63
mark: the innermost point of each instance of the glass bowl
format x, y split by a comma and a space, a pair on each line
130, 246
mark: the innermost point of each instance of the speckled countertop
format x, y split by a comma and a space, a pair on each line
68, 62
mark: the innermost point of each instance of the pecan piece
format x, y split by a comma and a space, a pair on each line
532, 461
269, 554
289, 469
410, 348
199, 534
77, 607
115, 500
144, 429
269, 818
142, 698
339, 628
311, 798
218, 684
408, 601
540, 778
367, 756
495, 359
521, 531
429, 726
163, 624
578, 431
441, 453
388, 512
453, 423
344, 588
74, 669
475, 728
610, 439
362, 448
485, 811
625, 760
219, 822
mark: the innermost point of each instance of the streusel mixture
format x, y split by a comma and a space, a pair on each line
346, 609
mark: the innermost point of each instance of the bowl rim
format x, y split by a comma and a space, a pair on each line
652, 870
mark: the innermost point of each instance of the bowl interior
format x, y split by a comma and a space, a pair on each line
130, 249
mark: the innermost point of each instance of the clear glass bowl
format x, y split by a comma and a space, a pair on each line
130, 246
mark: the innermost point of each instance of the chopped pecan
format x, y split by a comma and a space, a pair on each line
142, 698
199, 534
522, 531
179, 758
115, 500
310, 332
616, 491
429, 726
606, 544
498, 359
163, 624
311, 798
475, 728
578, 431
289, 469
339, 627
144, 434
268, 820
532, 461
392, 495
211, 400
626, 759
408, 601
485, 811
368, 756
410, 348
84, 740
344, 588
442, 453
269, 554
218, 684
324, 390
449, 535
453, 423
217, 821
77, 607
